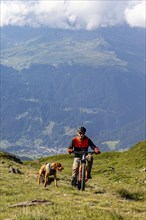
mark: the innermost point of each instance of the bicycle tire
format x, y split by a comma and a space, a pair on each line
83, 176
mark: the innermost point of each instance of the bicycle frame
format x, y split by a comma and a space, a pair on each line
83, 169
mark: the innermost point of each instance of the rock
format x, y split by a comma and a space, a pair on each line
14, 170
143, 170
30, 203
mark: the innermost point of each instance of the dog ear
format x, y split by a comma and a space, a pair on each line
58, 164
55, 165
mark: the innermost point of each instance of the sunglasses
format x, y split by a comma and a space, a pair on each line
81, 133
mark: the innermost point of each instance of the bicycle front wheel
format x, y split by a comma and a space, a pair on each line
83, 176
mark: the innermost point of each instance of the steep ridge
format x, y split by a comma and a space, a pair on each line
136, 156
9, 157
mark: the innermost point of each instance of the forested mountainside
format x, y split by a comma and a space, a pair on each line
53, 81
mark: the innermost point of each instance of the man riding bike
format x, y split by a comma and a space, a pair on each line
79, 143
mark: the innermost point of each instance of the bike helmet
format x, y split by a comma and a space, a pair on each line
81, 130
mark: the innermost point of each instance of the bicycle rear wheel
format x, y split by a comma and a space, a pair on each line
83, 176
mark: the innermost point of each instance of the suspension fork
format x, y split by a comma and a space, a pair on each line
86, 170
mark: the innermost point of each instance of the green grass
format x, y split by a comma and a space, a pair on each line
116, 190
135, 195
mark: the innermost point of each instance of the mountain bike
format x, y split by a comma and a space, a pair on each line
83, 169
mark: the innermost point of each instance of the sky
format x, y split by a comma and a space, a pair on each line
73, 14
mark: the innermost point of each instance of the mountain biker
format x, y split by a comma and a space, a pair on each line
79, 143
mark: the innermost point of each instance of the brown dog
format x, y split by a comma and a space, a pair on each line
49, 169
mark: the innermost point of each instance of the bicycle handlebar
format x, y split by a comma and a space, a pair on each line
83, 151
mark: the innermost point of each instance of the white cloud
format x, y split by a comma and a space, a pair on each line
81, 14
135, 15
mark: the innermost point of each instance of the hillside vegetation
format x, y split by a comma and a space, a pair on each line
116, 190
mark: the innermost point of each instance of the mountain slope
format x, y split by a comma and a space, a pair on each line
52, 81
117, 46
104, 196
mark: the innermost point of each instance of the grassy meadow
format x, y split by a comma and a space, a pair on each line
116, 190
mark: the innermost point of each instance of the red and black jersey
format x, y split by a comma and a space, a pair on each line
78, 144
